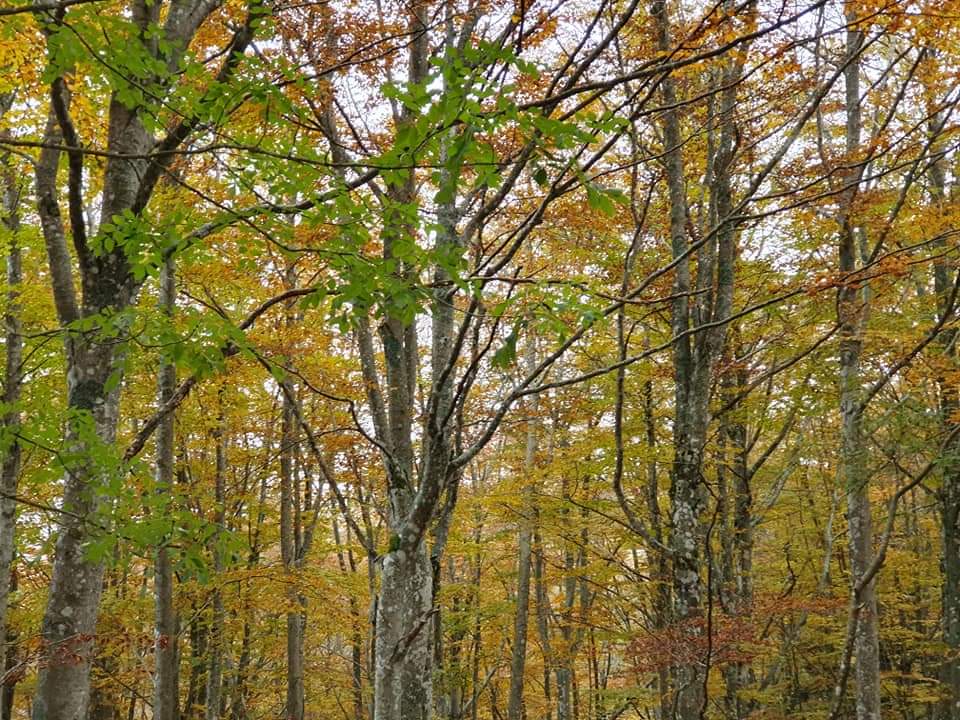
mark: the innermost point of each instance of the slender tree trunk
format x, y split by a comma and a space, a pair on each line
475, 597
738, 550
695, 357
9, 687
238, 704
853, 473
950, 521
166, 689
455, 654
687, 496
10, 422
661, 561
515, 709
197, 682
949, 495
215, 645
348, 566
564, 655
288, 552
543, 611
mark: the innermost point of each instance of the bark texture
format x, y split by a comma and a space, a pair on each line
217, 640
166, 688
853, 472
949, 494
695, 355
515, 709
289, 552
12, 381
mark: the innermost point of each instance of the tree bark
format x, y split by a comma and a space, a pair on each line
63, 686
515, 709
949, 494
402, 674
348, 566
12, 381
197, 682
404, 647
215, 644
738, 537
695, 356
853, 474
288, 553
687, 497
543, 610
166, 689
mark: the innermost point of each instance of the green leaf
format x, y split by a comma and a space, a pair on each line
506, 355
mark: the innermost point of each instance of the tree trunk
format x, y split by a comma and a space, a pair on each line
215, 645
238, 703
8, 689
10, 422
695, 356
63, 688
950, 521
543, 610
402, 674
347, 565
166, 689
686, 491
739, 541
565, 656
515, 709
853, 474
403, 666
288, 552
69, 622
949, 495
949, 402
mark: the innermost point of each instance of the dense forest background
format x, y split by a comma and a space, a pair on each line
533, 360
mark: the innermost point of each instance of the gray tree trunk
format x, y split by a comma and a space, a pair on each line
166, 688
543, 610
515, 709
196, 682
950, 522
695, 356
288, 553
12, 380
68, 627
348, 565
216, 642
691, 388
737, 532
853, 476
403, 648
402, 674
688, 500
949, 495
